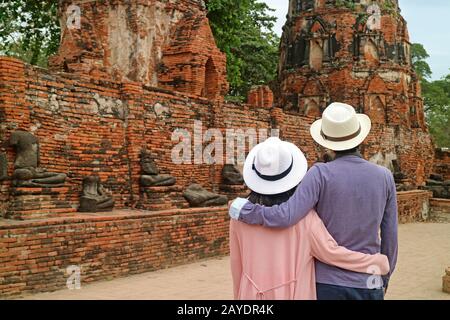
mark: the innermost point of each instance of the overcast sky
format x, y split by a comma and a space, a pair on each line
428, 23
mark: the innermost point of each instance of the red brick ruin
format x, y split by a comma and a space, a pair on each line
101, 119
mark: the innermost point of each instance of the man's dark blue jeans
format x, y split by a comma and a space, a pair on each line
332, 292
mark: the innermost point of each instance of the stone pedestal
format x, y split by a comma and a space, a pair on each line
162, 198
37, 203
235, 191
446, 281
413, 206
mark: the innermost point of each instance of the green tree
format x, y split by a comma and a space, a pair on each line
29, 30
244, 31
419, 55
436, 95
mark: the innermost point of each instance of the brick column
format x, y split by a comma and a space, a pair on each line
134, 135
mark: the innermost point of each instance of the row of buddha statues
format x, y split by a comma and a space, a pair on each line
94, 197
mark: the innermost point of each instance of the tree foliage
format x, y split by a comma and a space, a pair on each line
436, 95
29, 29
419, 56
244, 31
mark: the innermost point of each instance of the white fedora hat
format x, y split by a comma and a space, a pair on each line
274, 167
341, 128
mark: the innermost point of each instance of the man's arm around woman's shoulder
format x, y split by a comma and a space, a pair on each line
287, 214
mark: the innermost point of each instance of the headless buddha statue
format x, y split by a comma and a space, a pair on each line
94, 197
231, 175
197, 196
27, 172
151, 176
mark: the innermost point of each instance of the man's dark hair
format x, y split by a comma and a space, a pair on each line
271, 200
354, 150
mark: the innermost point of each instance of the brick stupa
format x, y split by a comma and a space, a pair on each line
358, 54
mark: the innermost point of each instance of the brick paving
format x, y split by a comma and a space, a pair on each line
424, 255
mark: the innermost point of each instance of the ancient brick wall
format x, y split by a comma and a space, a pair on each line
96, 126
92, 125
413, 206
260, 96
440, 209
34, 255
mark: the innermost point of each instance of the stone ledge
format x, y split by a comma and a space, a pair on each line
440, 202
163, 189
440, 209
39, 191
126, 214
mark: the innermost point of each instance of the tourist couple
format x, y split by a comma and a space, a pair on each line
292, 240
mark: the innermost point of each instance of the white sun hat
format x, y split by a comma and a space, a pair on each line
341, 128
274, 167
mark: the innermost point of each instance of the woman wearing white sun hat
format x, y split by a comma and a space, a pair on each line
279, 264
355, 198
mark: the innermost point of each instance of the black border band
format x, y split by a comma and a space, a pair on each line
273, 178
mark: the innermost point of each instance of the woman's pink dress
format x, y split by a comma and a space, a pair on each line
274, 264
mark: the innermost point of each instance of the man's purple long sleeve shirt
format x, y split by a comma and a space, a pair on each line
357, 202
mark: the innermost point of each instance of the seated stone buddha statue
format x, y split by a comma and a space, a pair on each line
94, 197
150, 174
27, 172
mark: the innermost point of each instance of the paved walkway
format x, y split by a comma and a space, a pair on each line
424, 255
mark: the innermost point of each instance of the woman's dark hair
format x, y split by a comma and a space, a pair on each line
271, 200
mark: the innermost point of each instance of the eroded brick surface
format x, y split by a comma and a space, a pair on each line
167, 44
138, 71
34, 255
329, 54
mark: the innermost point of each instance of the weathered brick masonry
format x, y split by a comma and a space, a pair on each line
329, 53
138, 71
34, 255
414, 206
94, 126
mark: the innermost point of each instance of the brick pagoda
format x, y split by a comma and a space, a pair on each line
358, 52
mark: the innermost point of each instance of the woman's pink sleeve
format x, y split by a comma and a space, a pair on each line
325, 249
235, 259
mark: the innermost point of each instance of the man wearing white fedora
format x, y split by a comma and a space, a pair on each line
356, 200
